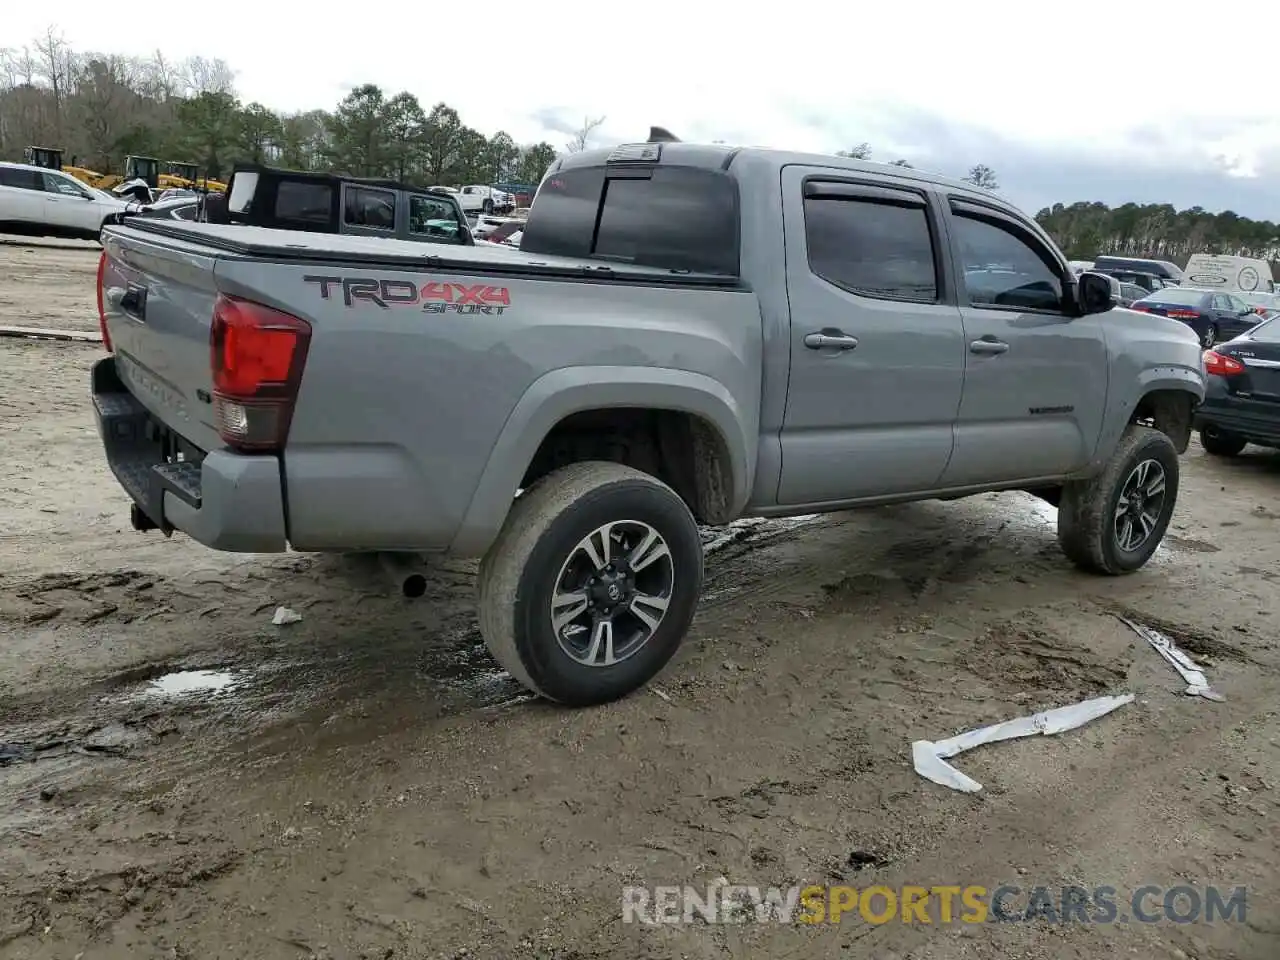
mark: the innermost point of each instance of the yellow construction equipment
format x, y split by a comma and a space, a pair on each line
51, 159
186, 176
174, 176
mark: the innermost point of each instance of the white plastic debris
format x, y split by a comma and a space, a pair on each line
930, 757
285, 615
1191, 672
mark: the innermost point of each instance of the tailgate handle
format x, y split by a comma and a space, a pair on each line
134, 301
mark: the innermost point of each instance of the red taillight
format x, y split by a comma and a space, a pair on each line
102, 311
257, 356
1182, 314
1140, 307
1222, 366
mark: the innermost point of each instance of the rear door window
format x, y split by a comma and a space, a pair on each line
678, 218
22, 179
871, 248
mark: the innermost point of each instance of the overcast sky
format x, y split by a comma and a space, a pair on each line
1143, 101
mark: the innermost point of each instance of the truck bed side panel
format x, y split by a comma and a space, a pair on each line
413, 375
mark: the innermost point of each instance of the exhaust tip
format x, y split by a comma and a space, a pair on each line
414, 586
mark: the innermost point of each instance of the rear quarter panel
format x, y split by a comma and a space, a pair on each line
415, 414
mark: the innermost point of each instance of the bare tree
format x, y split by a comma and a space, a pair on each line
202, 75
56, 63
163, 80
583, 134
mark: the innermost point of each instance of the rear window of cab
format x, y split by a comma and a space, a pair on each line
675, 218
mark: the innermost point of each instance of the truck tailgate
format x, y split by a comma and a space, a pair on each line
157, 296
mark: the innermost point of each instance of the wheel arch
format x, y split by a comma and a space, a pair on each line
1165, 398
724, 452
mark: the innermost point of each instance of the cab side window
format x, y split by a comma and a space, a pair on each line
1001, 268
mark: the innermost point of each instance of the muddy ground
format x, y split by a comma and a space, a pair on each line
367, 782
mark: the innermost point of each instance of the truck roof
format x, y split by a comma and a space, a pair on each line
724, 157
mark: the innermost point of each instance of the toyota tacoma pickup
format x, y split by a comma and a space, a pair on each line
688, 334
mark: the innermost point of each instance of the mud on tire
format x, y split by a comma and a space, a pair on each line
1092, 513
553, 549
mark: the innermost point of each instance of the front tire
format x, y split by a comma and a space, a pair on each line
1113, 523
592, 583
487, 207
1220, 443
1210, 336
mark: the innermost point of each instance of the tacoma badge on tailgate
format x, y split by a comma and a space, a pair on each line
434, 297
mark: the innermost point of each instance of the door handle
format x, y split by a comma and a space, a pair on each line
830, 341
988, 346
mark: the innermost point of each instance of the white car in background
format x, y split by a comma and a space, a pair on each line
38, 202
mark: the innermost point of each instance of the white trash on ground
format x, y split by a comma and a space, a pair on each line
285, 615
930, 757
1191, 672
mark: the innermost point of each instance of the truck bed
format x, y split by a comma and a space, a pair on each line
430, 378
291, 245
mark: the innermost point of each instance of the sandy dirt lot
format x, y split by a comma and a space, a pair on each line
367, 783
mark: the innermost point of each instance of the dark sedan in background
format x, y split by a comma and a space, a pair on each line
1242, 393
1214, 316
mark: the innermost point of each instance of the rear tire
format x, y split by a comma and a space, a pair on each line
1220, 443
1091, 517
1210, 336
540, 555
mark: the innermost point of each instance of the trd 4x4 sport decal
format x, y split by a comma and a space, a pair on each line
433, 297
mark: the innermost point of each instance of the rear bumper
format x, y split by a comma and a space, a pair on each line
1226, 417
224, 500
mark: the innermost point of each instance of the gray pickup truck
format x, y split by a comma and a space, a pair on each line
688, 334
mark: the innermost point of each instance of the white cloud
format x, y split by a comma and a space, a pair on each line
815, 75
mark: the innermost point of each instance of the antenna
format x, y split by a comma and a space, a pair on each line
662, 135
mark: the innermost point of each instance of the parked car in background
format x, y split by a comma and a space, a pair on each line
1129, 292
1242, 394
1161, 268
481, 199
1147, 281
497, 231
1265, 305
37, 202
1212, 315
1080, 266
329, 203
1230, 274
485, 225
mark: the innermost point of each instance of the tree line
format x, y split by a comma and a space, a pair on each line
1158, 231
99, 108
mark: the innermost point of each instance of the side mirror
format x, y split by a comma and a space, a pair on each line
1096, 292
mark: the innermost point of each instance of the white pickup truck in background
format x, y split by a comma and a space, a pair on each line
481, 199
